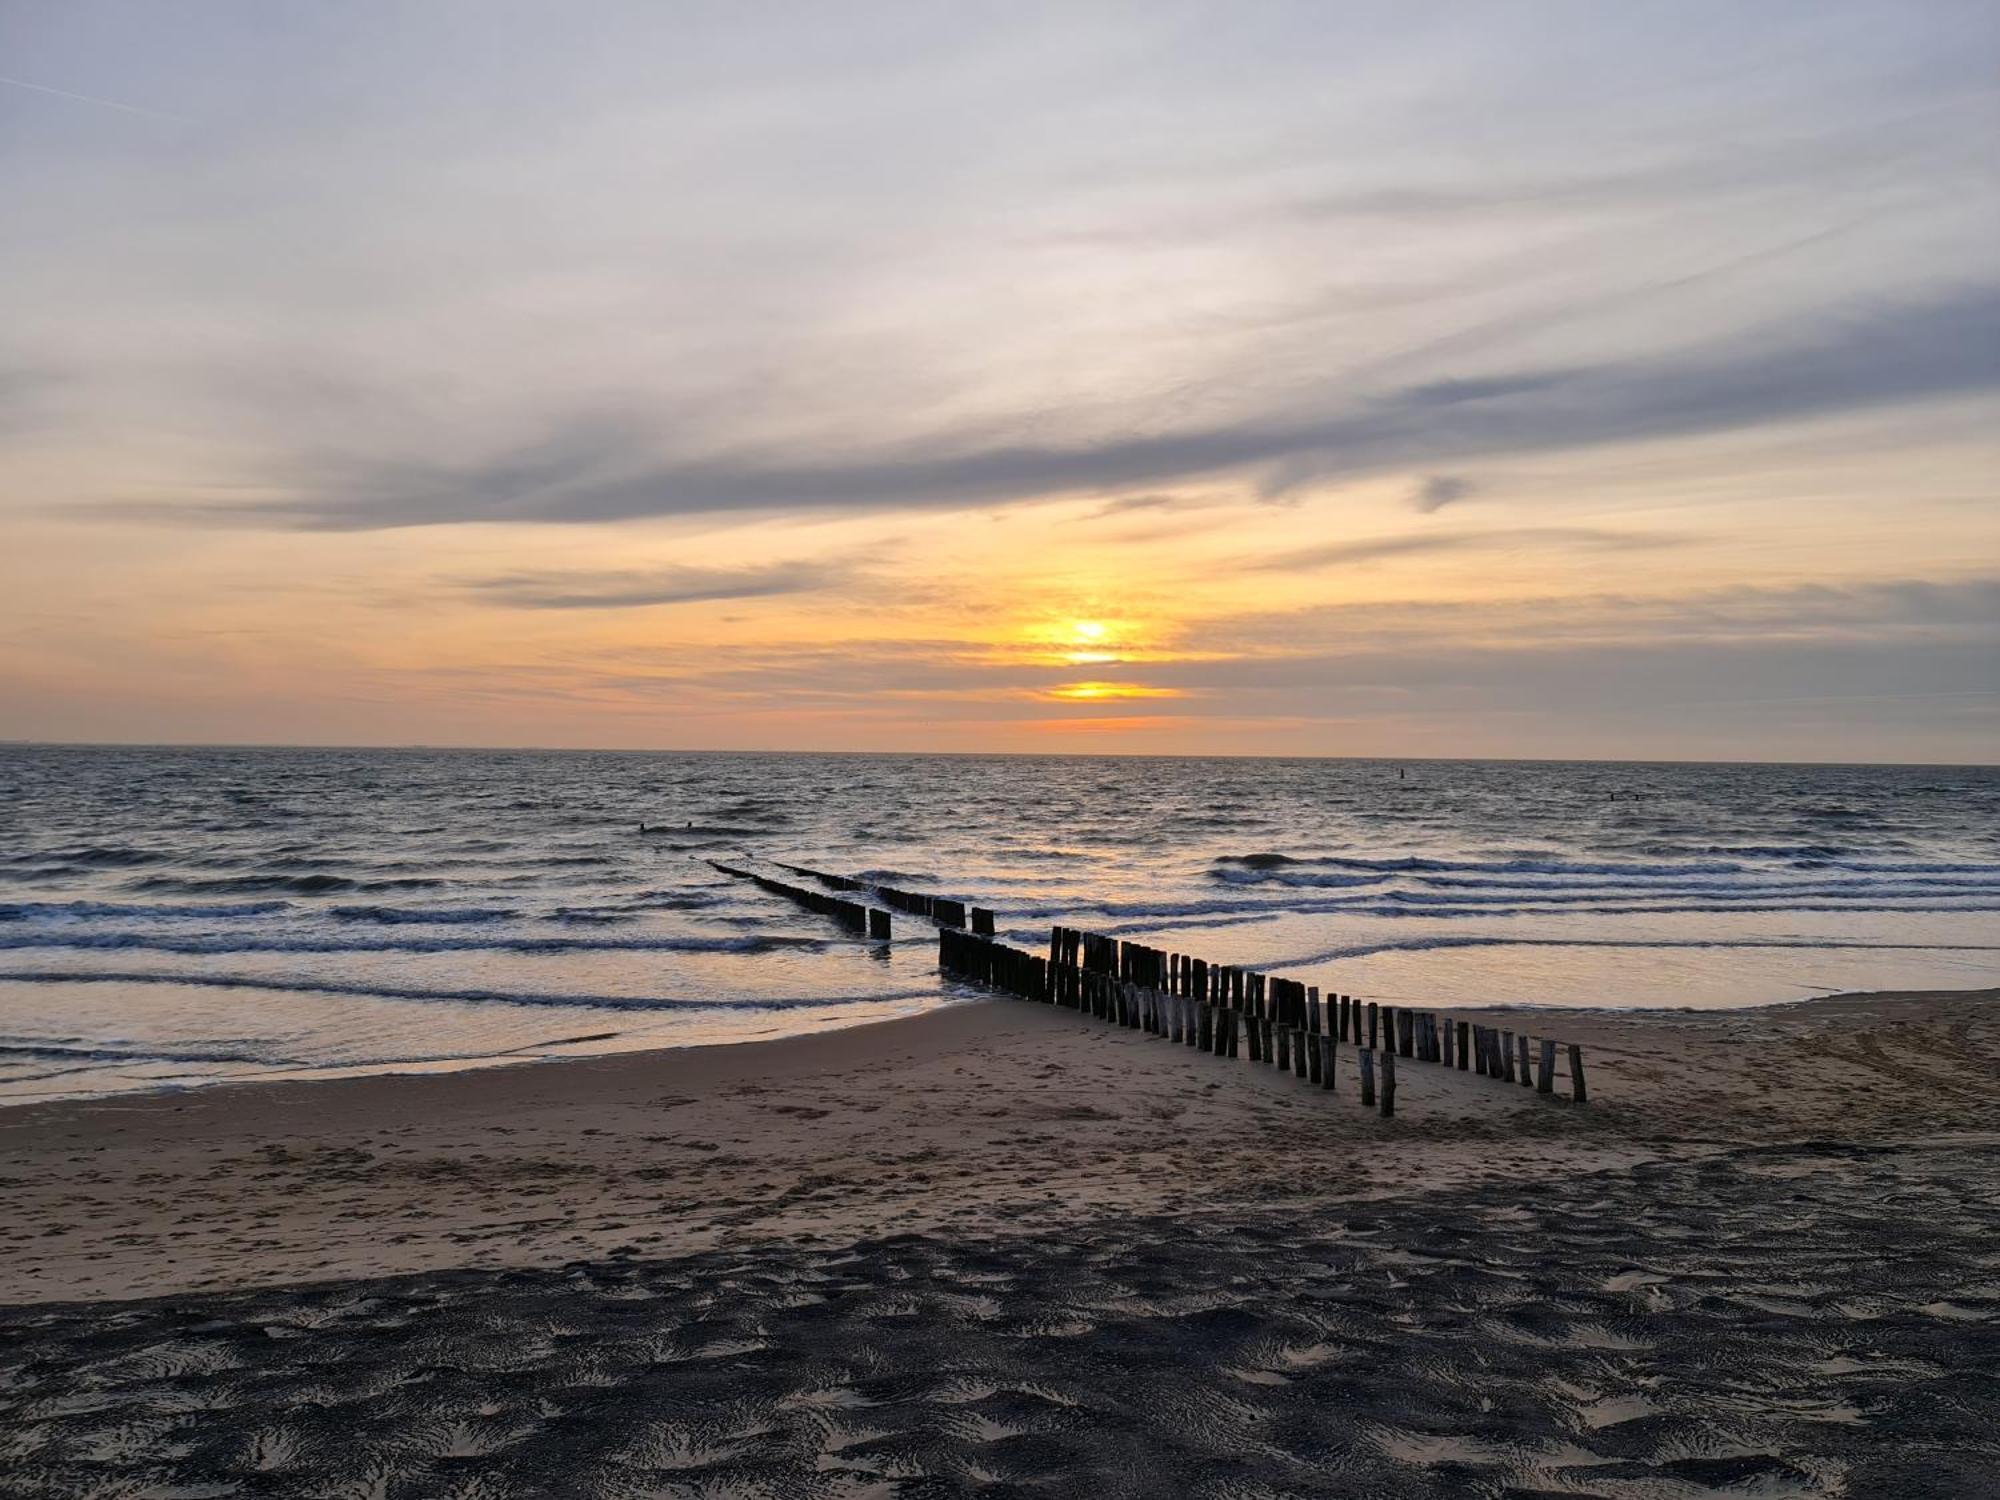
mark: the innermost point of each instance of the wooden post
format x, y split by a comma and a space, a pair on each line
1445, 1030
1576, 1089
1284, 1043
1367, 1056
878, 923
1464, 1030
1254, 1040
1545, 1077
1301, 1046
1329, 1052
1371, 1025
1388, 1082
1507, 1055
1313, 1043
982, 921
1526, 1081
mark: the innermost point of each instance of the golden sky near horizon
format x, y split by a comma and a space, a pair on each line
1074, 381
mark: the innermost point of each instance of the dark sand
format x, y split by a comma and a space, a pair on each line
1005, 1250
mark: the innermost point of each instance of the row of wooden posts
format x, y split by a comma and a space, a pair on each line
940, 909
1232, 1012
851, 914
1217, 1008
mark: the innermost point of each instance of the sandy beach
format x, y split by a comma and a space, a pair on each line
1002, 1247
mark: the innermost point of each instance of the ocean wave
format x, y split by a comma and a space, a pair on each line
1267, 875
1142, 917
1282, 869
1804, 882
1915, 906
393, 915
1406, 864
25, 911
704, 831
474, 996
164, 942
59, 1052
300, 885
96, 856
1432, 944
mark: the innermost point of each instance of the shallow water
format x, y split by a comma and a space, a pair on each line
178, 916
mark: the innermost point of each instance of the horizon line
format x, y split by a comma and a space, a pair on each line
1495, 760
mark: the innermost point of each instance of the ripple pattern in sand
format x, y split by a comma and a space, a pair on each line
1783, 1322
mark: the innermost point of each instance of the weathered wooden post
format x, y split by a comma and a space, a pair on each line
1545, 1077
1526, 1081
878, 923
1464, 1030
1576, 1089
1507, 1055
1445, 1030
1367, 1057
1329, 1053
982, 921
1388, 1082
1371, 1025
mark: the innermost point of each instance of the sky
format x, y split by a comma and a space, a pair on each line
1497, 379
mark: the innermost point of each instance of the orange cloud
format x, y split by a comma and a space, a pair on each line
1106, 692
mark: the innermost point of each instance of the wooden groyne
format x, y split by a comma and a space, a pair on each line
851, 914
1241, 1013
1222, 1009
943, 910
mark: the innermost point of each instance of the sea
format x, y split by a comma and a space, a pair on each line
178, 917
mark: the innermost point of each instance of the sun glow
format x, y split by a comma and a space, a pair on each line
1101, 692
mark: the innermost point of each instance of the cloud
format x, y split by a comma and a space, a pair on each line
592, 468
1438, 491
1544, 538
657, 586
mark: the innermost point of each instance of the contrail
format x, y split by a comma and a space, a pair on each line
130, 109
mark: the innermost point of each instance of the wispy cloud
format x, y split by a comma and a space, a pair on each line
1425, 544
1438, 491
657, 586
595, 469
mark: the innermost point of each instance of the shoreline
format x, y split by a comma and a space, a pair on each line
528, 1056
993, 1116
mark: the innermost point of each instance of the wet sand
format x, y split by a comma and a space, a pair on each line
1002, 1249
